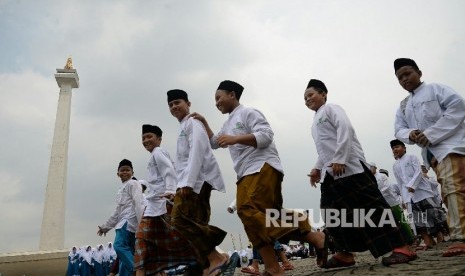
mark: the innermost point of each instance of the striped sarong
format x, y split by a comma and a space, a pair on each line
451, 176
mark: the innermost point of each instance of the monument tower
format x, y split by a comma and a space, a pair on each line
52, 236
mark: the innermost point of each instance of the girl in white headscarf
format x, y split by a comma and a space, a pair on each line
86, 261
109, 256
73, 262
97, 260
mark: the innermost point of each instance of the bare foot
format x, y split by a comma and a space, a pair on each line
218, 261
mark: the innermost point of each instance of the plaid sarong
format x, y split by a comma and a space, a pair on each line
428, 216
159, 246
359, 191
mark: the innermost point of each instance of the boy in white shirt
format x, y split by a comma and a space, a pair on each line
159, 247
347, 185
198, 174
427, 213
432, 117
249, 138
125, 218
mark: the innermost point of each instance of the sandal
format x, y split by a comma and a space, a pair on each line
250, 270
336, 261
322, 253
399, 256
454, 250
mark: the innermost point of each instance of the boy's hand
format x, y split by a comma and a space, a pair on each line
315, 177
199, 117
102, 231
413, 135
225, 140
338, 169
168, 196
422, 140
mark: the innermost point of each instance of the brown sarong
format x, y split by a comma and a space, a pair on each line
255, 194
190, 216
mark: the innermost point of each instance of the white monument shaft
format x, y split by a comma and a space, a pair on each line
52, 235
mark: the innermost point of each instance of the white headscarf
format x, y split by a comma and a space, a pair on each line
87, 254
98, 254
73, 253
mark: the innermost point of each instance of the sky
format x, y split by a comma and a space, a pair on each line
129, 53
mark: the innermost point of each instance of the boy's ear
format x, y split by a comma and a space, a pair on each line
420, 73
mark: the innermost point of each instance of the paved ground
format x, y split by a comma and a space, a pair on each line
430, 262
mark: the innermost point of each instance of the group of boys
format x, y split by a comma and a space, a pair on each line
431, 117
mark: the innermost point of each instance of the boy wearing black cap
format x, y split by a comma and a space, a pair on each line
125, 218
348, 185
428, 216
198, 174
158, 246
432, 116
249, 138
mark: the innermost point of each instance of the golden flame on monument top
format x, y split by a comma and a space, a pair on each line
69, 64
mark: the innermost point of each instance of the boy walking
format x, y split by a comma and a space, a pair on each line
249, 138
347, 185
125, 218
159, 246
198, 174
427, 214
432, 117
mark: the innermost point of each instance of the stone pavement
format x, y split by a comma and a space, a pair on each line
430, 262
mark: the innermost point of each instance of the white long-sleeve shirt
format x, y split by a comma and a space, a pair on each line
396, 190
195, 162
439, 112
161, 179
386, 190
128, 207
336, 141
407, 171
435, 187
247, 159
